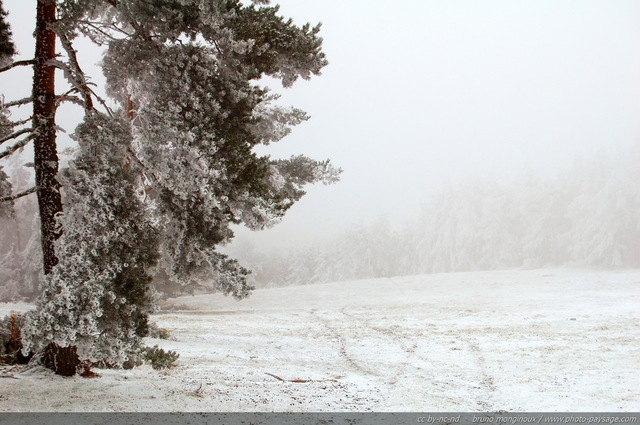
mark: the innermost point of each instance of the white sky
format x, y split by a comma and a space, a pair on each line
419, 93
422, 92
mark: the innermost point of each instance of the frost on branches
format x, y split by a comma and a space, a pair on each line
97, 298
6, 208
161, 181
196, 115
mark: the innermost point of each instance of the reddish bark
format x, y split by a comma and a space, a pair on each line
44, 111
63, 360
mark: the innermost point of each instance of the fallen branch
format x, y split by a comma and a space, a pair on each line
299, 381
10, 372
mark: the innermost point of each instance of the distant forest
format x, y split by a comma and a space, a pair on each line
587, 216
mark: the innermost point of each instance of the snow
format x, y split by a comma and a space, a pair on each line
541, 340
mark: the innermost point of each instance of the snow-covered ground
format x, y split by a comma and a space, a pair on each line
544, 340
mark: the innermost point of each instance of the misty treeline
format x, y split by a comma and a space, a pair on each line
20, 251
587, 216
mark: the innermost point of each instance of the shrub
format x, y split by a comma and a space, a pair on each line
157, 332
159, 358
11, 341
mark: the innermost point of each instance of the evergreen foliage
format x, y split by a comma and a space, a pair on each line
200, 99
157, 332
11, 339
7, 48
159, 358
155, 185
20, 254
97, 297
6, 188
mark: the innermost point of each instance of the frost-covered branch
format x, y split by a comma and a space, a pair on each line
19, 102
217, 46
16, 134
17, 146
102, 28
146, 188
96, 27
67, 93
134, 156
18, 63
13, 124
102, 102
19, 195
76, 77
72, 99
69, 75
67, 97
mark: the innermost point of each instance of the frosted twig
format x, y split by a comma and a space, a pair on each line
19, 195
9, 373
19, 102
17, 146
16, 134
95, 26
299, 381
13, 124
102, 102
3, 375
17, 63
72, 99
79, 77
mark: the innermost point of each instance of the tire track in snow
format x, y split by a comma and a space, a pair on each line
342, 349
487, 385
404, 373
400, 340
420, 365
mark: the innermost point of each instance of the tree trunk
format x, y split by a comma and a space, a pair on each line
63, 360
44, 117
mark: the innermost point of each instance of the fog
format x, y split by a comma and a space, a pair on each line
422, 94
427, 101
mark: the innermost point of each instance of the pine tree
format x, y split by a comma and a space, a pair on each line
7, 48
7, 51
166, 174
97, 298
21, 256
6, 208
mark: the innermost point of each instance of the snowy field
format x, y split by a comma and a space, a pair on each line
544, 340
